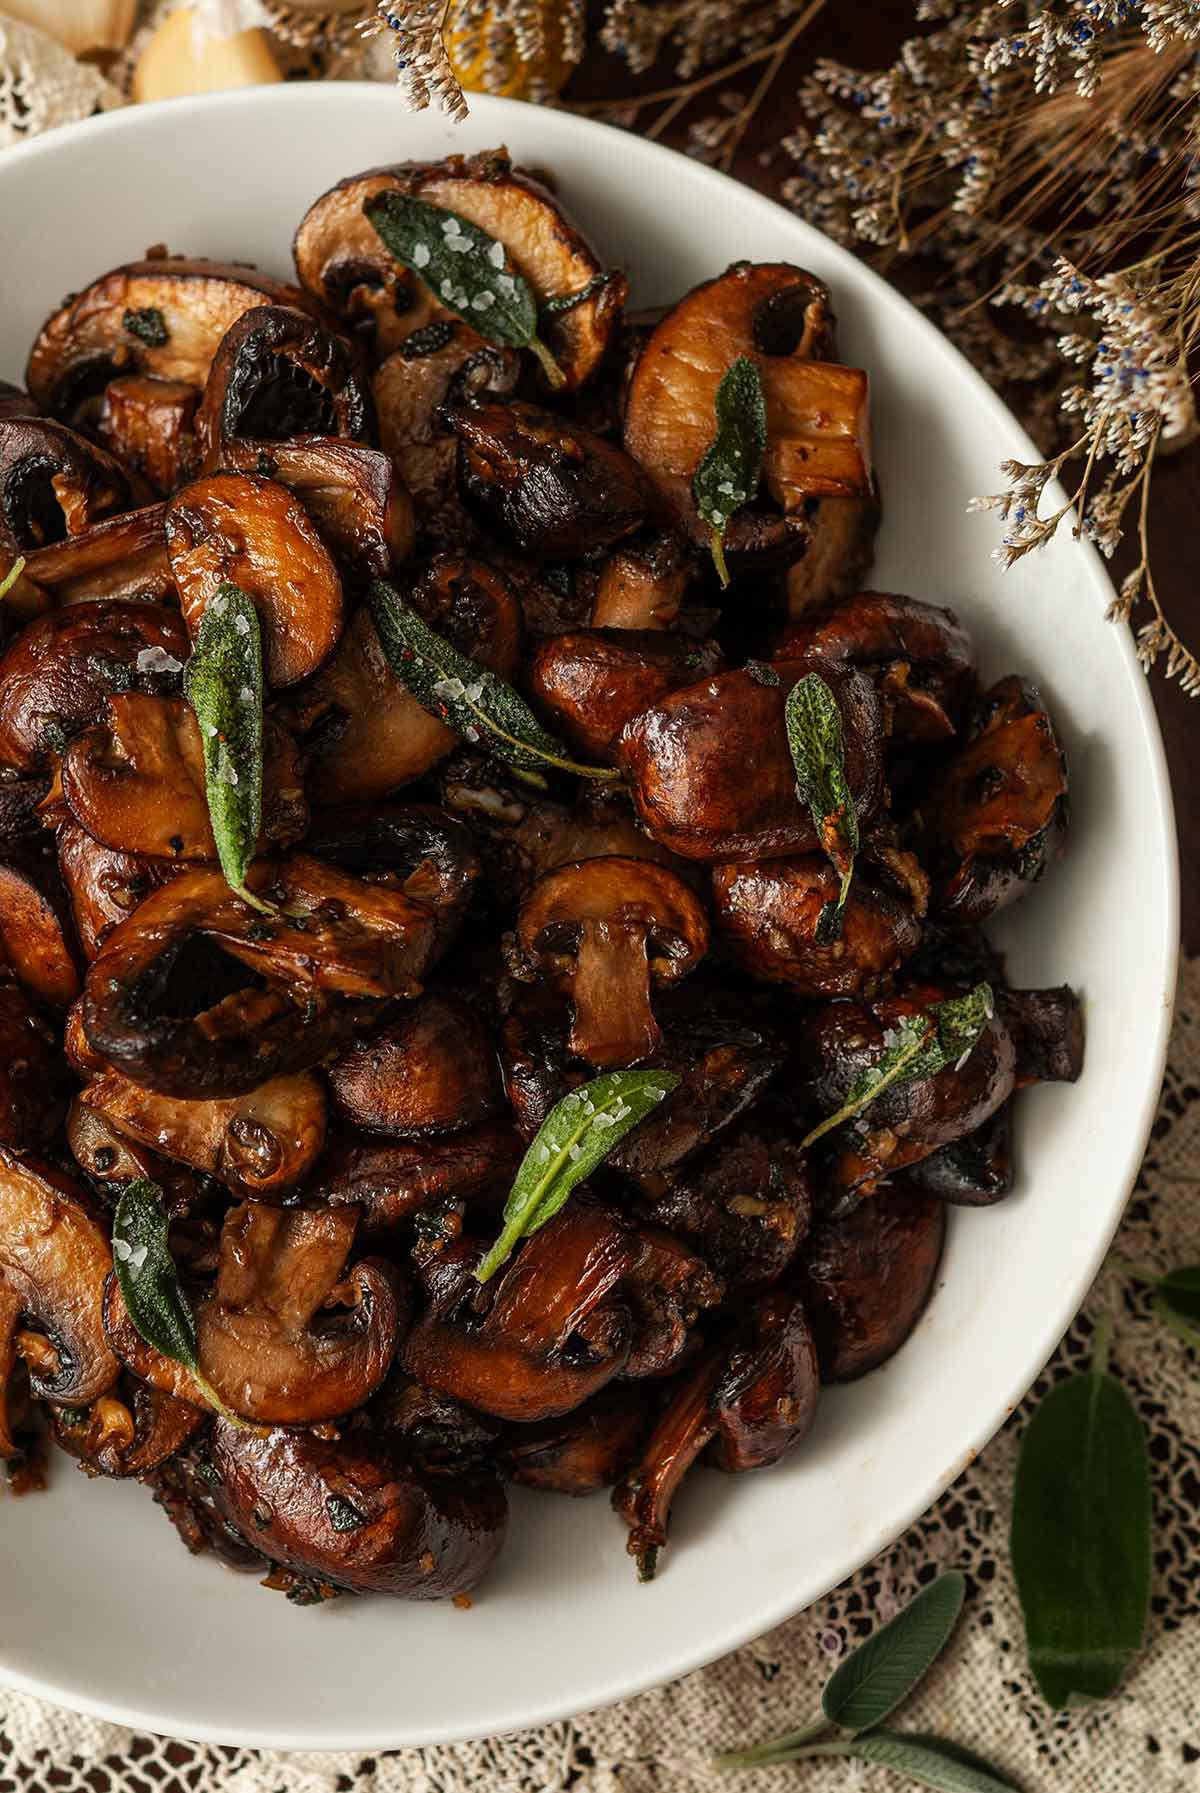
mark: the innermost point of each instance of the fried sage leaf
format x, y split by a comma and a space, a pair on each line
13, 574
576, 1136
728, 475
1081, 1535
482, 708
918, 1046
815, 738
870, 1684
223, 682
468, 270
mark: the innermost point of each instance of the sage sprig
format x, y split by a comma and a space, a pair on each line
1175, 1298
149, 1281
866, 1689
728, 475
223, 682
13, 574
918, 1046
817, 744
481, 707
575, 1137
1081, 1535
467, 269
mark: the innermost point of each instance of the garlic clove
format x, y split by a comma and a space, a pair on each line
180, 59
79, 24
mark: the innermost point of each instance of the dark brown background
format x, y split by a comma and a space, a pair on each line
867, 36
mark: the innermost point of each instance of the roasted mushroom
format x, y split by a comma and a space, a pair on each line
33, 1080
36, 930
130, 1432
414, 848
53, 483
54, 1258
362, 510
998, 816
393, 1180
641, 584
356, 1512
104, 885
120, 557
268, 1340
431, 1071
1047, 1033
278, 373
442, 366
604, 930
241, 529
581, 1452
149, 424
557, 491
865, 1279
710, 770
972, 1172
592, 682
668, 1288
744, 1205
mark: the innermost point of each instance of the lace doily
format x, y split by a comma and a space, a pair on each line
42, 85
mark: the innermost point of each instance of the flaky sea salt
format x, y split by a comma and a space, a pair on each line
483, 301
157, 659
449, 688
420, 256
496, 255
242, 624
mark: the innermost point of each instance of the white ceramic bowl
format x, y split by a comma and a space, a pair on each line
102, 1608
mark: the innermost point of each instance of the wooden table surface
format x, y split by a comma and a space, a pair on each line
868, 37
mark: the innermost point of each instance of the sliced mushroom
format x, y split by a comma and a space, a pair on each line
557, 491
445, 365
109, 1158
104, 885
131, 1432
33, 1081
149, 424
20, 803
56, 677
120, 557
261, 1144
592, 682
251, 532
1047, 1033
581, 1452
14, 1379
366, 734
865, 1279
54, 1257
774, 920
710, 770
362, 509
268, 1338
604, 930
667, 1289
997, 818
393, 1180
277, 374
36, 929
357, 1512
413, 847
135, 781
749, 1401
341, 260
972, 1172
54, 483
642, 585
818, 452
431, 1071
163, 316
551, 1332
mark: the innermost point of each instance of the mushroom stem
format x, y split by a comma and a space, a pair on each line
614, 1023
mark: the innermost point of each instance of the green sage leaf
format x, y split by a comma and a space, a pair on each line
568, 301
728, 476
223, 682
1081, 1536
576, 1136
926, 1760
815, 737
146, 1272
1176, 1301
918, 1046
871, 1683
474, 702
467, 269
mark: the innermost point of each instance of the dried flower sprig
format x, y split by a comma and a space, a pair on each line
419, 52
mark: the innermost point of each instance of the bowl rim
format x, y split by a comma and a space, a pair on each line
720, 1640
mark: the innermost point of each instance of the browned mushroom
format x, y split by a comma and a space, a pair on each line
104, 885
774, 921
444, 365
131, 1432
997, 818
262, 1144
750, 1400
268, 1339
919, 655
341, 259
393, 1180
865, 1279
20, 806
149, 424
163, 316
604, 930
251, 532
109, 1159
817, 467
54, 1257
33, 1080
667, 1289
1047, 1033
362, 509
57, 675
641, 584
278, 373
592, 682
414, 848
357, 1512
54, 483
548, 1334
972, 1172
710, 770
579, 1452
36, 929
365, 732
121, 557
135, 781
431, 1071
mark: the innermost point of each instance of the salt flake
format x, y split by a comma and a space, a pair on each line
157, 659
496, 255
420, 256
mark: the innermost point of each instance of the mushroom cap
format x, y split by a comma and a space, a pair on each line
633, 894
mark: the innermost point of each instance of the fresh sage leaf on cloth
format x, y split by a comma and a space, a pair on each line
1175, 1297
475, 703
223, 682
918, 1046
871, 1683
467, 269
576, 1136
925, 1760
729, 473
815, 739
1081, 1535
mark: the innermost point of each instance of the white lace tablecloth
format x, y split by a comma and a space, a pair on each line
1145, 1740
